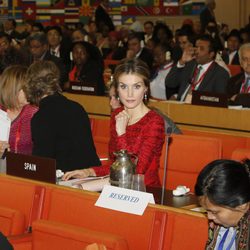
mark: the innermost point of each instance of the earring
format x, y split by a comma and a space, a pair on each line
118, 98
145, 96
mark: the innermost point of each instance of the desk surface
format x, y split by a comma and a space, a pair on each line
188, 116
171, 200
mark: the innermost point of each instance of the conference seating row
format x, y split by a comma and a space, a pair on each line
187, 154
39, 216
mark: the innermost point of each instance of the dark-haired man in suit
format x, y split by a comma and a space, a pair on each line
135, 49
39, 51
197, 70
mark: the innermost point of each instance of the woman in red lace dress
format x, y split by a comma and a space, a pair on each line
13, 101
134, 126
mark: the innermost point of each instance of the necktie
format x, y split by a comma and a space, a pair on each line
246, 86
196, 77
187, 95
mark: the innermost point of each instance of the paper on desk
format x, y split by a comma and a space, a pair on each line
5, 124
89, 183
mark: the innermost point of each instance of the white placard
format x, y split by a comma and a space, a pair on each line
124, 200
5, 123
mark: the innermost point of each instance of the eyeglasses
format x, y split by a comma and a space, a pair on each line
245, 59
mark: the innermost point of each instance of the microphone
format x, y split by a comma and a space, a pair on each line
168, 134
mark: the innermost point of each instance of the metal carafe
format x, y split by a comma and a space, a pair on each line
122, 170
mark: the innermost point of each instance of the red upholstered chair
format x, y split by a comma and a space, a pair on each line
240, 154
187, 155
22, 207
185, 231
234, 69
50, 235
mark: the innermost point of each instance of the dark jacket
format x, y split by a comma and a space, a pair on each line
102, 18
235, 61
233, 88
61, 130
215, 80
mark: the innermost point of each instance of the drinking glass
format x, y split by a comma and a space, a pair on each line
138, 183
125, 181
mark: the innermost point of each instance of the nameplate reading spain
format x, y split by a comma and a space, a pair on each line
124, 200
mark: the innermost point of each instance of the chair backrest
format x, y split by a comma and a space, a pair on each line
78, 208
229, 142
234, 69
187, 155
108, 62
26, 197
185, 232
240, 154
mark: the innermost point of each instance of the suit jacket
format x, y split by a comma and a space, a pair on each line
233, 88
147, 57
61, 130
235, 61
215, 80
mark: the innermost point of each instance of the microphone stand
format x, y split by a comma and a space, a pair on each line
168, 133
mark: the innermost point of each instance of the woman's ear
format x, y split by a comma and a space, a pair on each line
244, 207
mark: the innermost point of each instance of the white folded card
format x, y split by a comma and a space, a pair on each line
124, 200
5, 123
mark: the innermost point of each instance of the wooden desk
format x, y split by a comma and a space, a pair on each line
192, 117
173, 201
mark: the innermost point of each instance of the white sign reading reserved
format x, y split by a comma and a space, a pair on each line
124, 200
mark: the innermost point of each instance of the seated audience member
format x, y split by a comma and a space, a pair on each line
223, 187
8, 54
184, 39
245, 35
61, 128
10, 28
13, 101
162, 34
230, 55
115, 103
239, 85
37, 27
134, 126
212, 29
162, 59
197, 70
39, 51
88, 66
136, 51
148, 30
79, 35
114, 52
57, 46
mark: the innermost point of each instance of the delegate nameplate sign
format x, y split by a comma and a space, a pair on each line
124, 200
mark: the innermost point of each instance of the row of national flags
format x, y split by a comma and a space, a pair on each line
55, 12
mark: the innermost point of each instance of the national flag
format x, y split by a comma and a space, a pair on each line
128, 19
172, 10
43, 3
170, 3
187, 9
29, 11
86, 10
57, 19
73, 3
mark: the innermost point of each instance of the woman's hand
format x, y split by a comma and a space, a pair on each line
3, 146
121, 123
83, 173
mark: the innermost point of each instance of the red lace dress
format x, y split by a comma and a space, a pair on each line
145, 139
20, 133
